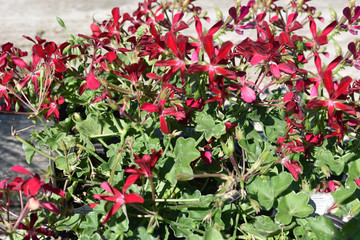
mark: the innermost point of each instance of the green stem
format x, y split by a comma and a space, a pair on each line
152, 191
114, 167
236, 223
43, 122
33, 148
199, 139
103, 143
176, 200
182, 226
91, 152
145, 141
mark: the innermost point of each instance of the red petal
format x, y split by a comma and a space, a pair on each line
248, 94
342, 87
59, 65
91, 82
21, 169
132, 178
50, 206
256, 59
107, 187
170, 40
133, 198
163, 125
21, 63
357, 181
275, 70
328, 82
149, 107
112, 211
345, 108
116, 14
215, 28
31, 186
223, 51
209, 47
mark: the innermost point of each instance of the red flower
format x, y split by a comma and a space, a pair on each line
134, 71
293, 167
91, 82
118, 197
178, 47
53, 107
31, 231
175, 111
322, 39
32, 186
215, 56
357, 181
146, 164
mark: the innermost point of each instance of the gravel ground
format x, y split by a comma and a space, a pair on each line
32, 17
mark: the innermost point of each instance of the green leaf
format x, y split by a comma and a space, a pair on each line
194, 237
183, 226
206, 124
344, 192
293, 204
68, 223
91, 221
262, 226
95, 236
268, 188
354, 169
94, 126
324, 156
29, 153
144, 234
213, 234
185, 152
324, 228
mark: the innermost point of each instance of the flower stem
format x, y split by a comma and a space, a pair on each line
32, 147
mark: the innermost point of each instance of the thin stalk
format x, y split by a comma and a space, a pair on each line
145, 140
114, 167
152, 192
21, 217
235, 165
91, 152
183, 226
32, 147
199, 139
236, 223
176, 200
103, 143
43, 122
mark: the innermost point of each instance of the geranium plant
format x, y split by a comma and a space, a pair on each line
157, 133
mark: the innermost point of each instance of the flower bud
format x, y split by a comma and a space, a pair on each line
76, 117
113, 104
185, 4
239, 134
255, 205
33, 204
325, 169
184, 177
202, 14
333, 14
228, 147
219, 14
